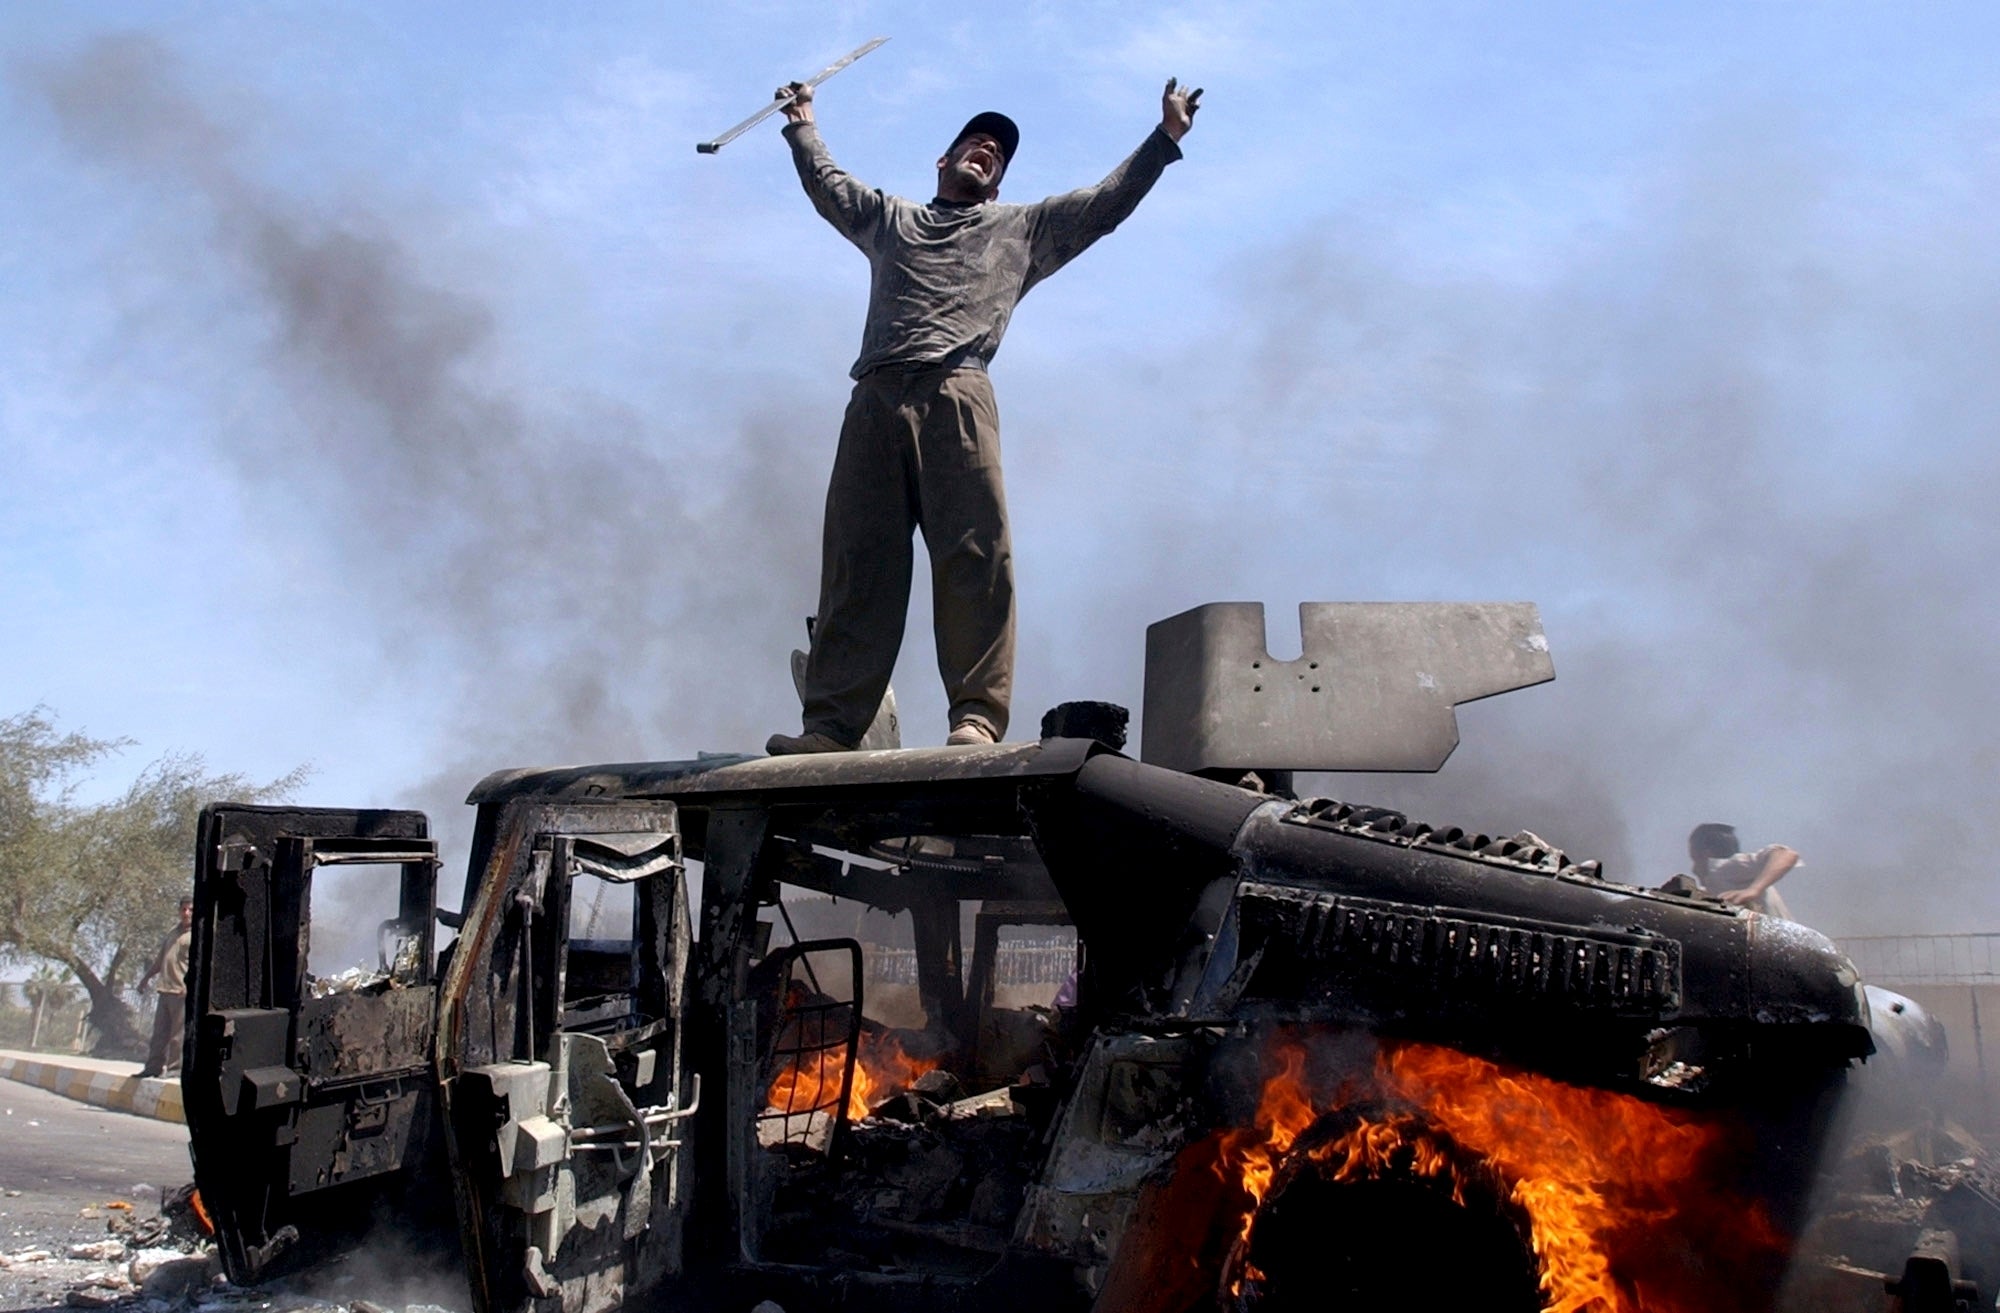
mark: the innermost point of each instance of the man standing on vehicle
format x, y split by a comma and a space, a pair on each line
920, 444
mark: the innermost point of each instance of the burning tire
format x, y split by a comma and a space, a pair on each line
1373, 1208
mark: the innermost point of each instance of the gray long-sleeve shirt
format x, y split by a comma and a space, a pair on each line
946, 276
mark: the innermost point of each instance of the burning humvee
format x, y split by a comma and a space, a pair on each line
959, 1028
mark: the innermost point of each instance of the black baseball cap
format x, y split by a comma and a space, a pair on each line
997, 126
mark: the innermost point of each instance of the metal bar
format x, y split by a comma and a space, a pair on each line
625, 1146
656, 1116
1978, 1040
793, 931
387, 857
710, 147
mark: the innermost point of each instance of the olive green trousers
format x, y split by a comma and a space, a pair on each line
919, 450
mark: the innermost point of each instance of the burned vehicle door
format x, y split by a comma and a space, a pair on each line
560, 1056
308, 1087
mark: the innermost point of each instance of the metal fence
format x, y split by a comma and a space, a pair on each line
1017, 962
1925, 959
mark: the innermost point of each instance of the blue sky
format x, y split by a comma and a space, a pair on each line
395, 389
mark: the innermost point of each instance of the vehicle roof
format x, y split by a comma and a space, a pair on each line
725, 774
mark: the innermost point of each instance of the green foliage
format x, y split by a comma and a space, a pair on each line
15, 1018
49, 986
46, 991
30, 1018
94, 887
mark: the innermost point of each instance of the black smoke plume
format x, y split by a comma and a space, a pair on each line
1737, 439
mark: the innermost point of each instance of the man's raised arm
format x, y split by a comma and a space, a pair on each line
1777, 860
1064, 226
854, 210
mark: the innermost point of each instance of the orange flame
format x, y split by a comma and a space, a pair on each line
885, 1068
811, 1081
200, 1211
1594, 1172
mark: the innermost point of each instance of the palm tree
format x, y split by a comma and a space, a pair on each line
48, 985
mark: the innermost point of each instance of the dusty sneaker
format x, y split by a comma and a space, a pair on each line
969, 734
785, 745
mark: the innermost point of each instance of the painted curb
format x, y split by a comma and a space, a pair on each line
159, 1099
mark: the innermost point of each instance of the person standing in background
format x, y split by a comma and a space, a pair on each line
170, 967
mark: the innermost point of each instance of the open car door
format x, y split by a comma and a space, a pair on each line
560, 1057
307, 1068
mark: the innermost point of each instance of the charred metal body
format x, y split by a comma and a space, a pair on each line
806, 1075
601, 1111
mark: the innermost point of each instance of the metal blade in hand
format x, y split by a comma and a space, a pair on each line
710, 147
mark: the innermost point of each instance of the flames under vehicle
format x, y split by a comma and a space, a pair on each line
1310, 1051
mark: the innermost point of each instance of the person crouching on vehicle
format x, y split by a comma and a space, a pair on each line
1738, 878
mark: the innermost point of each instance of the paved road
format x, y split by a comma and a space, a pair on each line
63, 1157
66, 1157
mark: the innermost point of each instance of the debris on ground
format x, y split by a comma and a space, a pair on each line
99, 1251
170, 1273
144, 1264
98, 1292
141, 1232
1904, 1216
186, 1219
